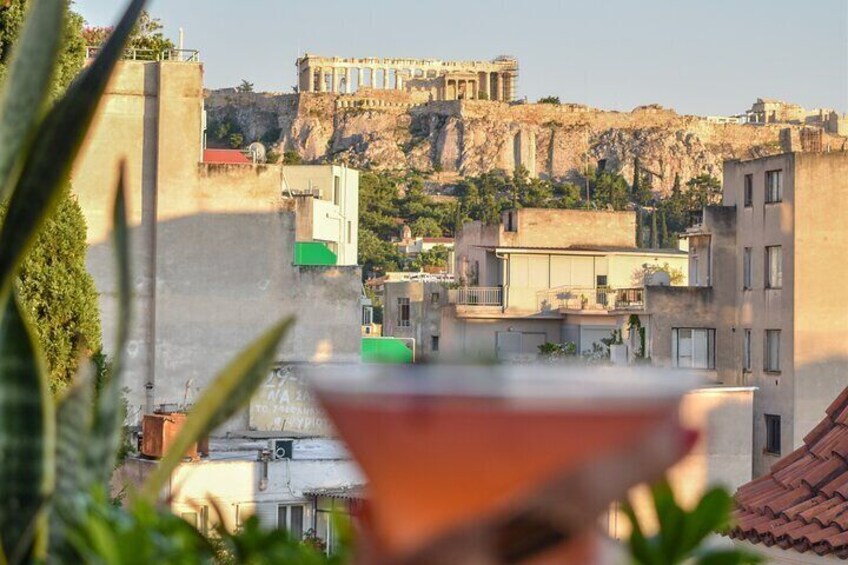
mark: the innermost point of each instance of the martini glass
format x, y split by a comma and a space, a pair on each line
511, 451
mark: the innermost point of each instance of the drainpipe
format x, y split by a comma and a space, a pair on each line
505, 259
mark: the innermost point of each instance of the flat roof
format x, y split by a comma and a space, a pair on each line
588, 249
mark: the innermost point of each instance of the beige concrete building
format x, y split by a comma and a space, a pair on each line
539, 276
438, 80
214, 245
243, 476
764, 309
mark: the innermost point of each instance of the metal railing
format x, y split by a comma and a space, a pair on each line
477, 296
588, 298
630, 298
132, 54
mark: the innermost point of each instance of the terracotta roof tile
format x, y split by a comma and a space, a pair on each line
802, 504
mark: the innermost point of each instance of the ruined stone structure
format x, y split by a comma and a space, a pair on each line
432, 78
771, 111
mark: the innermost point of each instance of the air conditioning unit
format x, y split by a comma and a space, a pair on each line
280, 449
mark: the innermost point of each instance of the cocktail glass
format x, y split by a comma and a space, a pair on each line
525, 456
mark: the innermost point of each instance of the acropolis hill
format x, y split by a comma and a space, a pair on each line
460, 117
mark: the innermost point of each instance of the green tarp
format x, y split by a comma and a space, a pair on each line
385, 350
313, 253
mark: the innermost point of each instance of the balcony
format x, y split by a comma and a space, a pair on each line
586, 298
476, 296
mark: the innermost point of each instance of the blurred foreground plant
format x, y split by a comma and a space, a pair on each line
682, 536
57, 457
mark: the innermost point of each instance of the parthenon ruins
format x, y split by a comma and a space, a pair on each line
435, 79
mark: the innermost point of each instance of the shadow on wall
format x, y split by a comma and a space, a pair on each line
220, 280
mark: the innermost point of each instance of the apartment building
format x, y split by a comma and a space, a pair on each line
764, 310
222, 247
539, 276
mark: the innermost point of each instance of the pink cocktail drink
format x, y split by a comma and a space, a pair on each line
441, 452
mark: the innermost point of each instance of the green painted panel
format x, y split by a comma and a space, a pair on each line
385, 350
313, 253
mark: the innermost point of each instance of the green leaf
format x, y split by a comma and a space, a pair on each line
55, 146
109, 416
711, 514
27, 86
73, 434
230, 390
640, 549
27, 439
671, 519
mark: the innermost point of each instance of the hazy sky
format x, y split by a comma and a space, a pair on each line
702, 57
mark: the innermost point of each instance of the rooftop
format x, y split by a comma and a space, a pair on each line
225, 157
802, 504
590, 249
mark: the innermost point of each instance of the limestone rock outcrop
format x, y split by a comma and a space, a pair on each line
471, 137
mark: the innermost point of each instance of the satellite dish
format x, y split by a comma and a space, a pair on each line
257, 152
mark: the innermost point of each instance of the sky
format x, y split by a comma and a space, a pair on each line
705, 57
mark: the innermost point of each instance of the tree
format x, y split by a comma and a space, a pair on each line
704, 190
291, 157
245, 86
54, 286
641, 192
609, 190
376, 255
59, 294
549, 100
436, 257
426, 227
147, 38
72, 51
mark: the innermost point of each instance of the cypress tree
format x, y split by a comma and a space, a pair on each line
53, 285
654, 231
664, 241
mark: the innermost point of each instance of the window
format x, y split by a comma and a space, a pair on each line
773, 434
601, 281
434, 343
747, 267
336, 190
290, 518
693, 348
511, 221
772, 351
774, 267
749, 191
403, 312
746, 351
774, 186
435, 298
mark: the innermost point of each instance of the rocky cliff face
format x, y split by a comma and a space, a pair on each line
386, 131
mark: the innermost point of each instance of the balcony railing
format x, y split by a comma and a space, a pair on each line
131, 54
477, 296
587, 298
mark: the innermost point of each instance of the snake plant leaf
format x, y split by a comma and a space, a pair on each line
108, 409
54, 148
74, 418
230, 390
27, 438
27, 85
